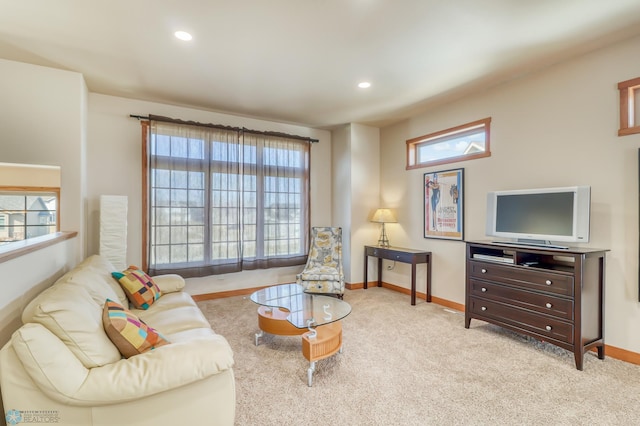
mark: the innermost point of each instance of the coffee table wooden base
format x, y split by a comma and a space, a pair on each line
274, 321
327, 340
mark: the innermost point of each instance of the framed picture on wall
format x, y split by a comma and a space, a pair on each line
444, 204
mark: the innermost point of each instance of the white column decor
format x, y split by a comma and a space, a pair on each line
113, 229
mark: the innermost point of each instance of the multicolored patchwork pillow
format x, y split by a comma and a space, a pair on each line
127, 332
138, 286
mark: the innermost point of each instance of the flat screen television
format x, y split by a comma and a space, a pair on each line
540, 216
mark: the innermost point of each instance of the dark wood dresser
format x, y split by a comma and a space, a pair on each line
554, 295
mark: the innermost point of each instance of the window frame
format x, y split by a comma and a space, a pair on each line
413, 145
28, 191
628, 89
209, 261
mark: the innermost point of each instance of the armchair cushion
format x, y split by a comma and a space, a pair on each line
325, 273
139, 287
128, 332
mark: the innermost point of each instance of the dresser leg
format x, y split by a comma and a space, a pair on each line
579, 356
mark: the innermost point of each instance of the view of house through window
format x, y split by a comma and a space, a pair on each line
26, 215
222, 200
459, 143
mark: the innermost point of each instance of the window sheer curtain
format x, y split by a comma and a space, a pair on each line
222, 200
281, 169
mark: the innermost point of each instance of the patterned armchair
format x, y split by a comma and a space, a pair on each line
323, 272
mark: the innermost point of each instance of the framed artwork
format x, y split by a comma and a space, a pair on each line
444, 204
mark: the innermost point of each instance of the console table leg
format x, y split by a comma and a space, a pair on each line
413, 282
366, 270
601, 352
428, 265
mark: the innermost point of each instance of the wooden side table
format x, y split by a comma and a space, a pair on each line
403, 255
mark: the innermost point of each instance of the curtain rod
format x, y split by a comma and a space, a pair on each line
220, 126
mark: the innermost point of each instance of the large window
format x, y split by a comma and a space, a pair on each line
222, 200
27, 214
459, 143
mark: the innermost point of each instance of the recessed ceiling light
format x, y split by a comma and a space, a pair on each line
364, 84
183, 35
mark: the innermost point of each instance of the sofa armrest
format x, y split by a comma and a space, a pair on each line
63, 378
169, 283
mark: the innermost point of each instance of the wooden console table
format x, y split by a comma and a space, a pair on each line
403, 255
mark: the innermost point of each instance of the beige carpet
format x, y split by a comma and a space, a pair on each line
418, 365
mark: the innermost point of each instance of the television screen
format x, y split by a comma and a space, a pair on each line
539, 216
544, 213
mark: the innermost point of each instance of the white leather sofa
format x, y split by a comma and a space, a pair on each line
60, 366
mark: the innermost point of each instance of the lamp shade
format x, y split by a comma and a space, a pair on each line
383, 216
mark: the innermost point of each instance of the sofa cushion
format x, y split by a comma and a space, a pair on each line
69, 312
95, 274
174, 319
167, 301
94, 283
138, 286
128, 332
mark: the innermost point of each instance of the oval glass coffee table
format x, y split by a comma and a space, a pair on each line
286, 310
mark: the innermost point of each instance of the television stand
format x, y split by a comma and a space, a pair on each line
553, 295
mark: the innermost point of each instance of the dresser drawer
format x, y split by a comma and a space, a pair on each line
542, 325
544, 303
534, 279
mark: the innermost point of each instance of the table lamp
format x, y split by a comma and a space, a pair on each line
383, 216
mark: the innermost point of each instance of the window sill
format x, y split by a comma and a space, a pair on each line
21, 248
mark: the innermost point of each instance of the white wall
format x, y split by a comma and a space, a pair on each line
365, 195
557, 127
43, 121
341, 184
356, 189
114, 164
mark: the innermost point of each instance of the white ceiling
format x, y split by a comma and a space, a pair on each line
299, 61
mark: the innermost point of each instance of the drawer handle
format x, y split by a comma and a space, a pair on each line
548, 282
397, 257
484, 290
484, 271
548, 328
484, 308
548, 305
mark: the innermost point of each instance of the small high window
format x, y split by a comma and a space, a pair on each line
459, 143
629, 107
